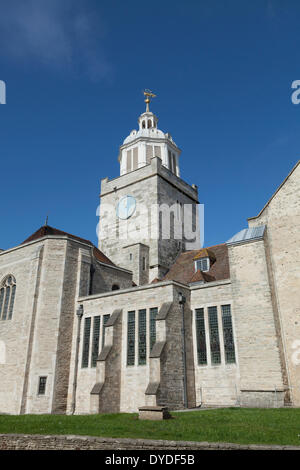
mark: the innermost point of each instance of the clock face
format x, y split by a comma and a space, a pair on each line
126, 207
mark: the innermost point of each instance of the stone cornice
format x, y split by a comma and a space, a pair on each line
151, 140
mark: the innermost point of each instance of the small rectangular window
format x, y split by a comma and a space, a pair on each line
200, 335
42, 385
142, 337
228, 335
144, 263
130, 256
131, 339
214, 335
86, 342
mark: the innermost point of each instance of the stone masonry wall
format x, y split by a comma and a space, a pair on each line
23, 263
62, 367
180, 221
40, 442
171, 390
134, 378
215, 384
150, 186
111, 391
45, 339
282, 217
145, 193
257, 345
105, 277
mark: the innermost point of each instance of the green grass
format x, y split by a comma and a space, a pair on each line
244, 426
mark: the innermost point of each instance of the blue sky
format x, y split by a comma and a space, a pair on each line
75, 70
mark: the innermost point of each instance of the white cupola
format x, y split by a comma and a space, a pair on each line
148, 142
147, 120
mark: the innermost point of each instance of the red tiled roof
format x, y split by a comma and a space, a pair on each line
183, 270
101, 257
201, 276
47, 230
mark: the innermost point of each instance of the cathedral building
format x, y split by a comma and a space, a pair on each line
150, 317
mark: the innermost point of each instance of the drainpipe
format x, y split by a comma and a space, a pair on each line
182, 301
79, 314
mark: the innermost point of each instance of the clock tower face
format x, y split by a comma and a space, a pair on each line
126, 207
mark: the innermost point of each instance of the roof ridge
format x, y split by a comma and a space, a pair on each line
47, 230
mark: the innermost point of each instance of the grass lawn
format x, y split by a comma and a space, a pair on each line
244, 426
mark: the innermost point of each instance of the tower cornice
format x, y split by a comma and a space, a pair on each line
152, 140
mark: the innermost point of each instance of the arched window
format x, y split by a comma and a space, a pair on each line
149, 123
115, 287
7, 297
143, 125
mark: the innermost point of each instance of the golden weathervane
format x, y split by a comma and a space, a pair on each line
149, 95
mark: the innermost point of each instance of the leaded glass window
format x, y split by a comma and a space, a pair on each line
42, 385
214, 335
153, 314
200, 335
228, 335
131, 339
7, 297
86, 342
142, 337
95, 343
105, 320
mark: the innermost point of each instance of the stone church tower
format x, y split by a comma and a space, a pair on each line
148, 215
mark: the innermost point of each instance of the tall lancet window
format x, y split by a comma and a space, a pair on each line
7, 297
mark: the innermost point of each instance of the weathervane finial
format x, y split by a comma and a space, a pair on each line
149, 95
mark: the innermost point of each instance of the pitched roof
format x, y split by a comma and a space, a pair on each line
183, 270
199, 276
101, 257
47, 230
